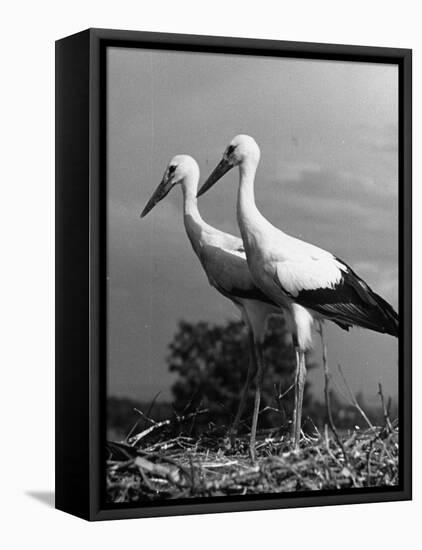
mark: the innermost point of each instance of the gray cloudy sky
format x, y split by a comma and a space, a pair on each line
328, 174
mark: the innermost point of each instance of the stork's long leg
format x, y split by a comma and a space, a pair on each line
251, 370
259, 378
300, 378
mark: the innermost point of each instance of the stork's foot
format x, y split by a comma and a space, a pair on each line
295, 441
252, 451
233, 431
230, 439
296, 431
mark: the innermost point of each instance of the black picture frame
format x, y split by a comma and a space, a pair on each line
80, 268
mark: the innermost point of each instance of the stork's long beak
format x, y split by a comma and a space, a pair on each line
218, 172
158, 195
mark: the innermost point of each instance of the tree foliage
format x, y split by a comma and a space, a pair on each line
211, 363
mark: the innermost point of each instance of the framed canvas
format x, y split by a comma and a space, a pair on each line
233, 229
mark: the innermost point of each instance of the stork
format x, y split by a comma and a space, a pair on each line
223, 259
306, 281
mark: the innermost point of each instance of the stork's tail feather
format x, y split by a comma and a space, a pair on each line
380, 315
388, 317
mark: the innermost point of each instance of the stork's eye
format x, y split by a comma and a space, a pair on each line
172, 169
230, 149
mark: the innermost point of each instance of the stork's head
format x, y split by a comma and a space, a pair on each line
181, 169
240, 150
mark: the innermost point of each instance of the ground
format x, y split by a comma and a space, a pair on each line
184, 467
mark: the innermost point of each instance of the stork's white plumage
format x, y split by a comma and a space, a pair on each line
307, 281
223, 259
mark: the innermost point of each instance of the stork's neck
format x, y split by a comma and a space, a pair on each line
251, 221
190, 202
194, 224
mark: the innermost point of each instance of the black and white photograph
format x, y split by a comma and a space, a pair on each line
253, 322
210, 237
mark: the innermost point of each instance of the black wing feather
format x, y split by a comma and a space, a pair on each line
352, 302
251, 293
229, 274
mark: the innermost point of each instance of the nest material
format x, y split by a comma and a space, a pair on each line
183, 468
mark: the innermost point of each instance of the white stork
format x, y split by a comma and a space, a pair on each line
306, 281
224, 261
